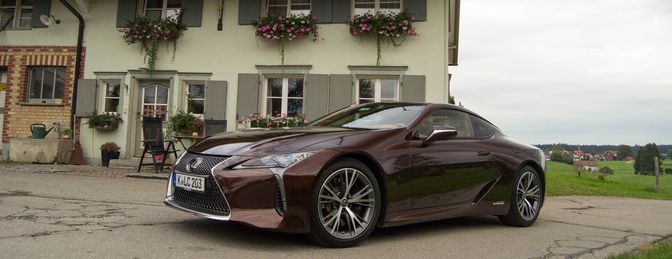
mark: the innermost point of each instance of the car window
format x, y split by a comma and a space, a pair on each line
482, 129
372, 116
446, 117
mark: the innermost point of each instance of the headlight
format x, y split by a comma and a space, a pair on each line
276, 161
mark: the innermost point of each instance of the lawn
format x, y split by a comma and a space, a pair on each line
562, 179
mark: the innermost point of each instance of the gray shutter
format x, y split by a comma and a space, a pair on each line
193, 13
321, 9
39, 7
316, 96
413, 89
248, 95
215, 100
86, 88
248, 10
340, 92
418, 8
340, 12
125, 11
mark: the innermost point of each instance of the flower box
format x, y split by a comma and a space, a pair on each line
113, 125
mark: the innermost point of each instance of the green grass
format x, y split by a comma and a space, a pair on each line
562, 179
659, 251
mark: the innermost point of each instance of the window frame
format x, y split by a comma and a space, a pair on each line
285, 93
30, 84
16, 22
102, 93
289, 7
376, 6
378, 87
468, 120
164, 9
185, 97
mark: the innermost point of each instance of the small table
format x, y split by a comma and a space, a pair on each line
193, 139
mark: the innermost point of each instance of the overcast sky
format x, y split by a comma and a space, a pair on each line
568, 71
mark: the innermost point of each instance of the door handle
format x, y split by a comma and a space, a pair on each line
483, 153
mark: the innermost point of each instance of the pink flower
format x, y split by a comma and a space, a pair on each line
144, 31
289, 30
167, 31
406, 21
413, 18
314, 18
258, 29
353, 103
293, 36
165, 38
259, 23
269, 124
308, 21
322, 39
254, 119
280, 18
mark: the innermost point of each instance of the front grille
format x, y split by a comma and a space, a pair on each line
211, 201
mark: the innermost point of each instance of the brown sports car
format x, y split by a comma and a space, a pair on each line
375, 164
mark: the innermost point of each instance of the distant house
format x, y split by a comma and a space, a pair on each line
610, 155
587, 165
588, 156
629, 159
599, 157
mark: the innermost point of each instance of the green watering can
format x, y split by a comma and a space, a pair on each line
39, 130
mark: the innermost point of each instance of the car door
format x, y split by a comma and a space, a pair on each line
449, 171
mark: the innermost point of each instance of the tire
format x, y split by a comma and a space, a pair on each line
344, 212
527, 196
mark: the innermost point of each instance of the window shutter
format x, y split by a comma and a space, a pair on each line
125, 11
413, 89
321, 9
340, 12
39, 7
248, 10
193, 13
248, 95
316, 96
418, 8
215, 100
86, 88
340, 92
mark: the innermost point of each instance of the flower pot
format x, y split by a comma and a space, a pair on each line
105, 156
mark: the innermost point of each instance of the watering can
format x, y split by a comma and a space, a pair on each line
39, 130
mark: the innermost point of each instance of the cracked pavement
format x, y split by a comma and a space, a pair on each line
49, 212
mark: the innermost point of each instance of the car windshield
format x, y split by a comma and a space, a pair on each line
372, 116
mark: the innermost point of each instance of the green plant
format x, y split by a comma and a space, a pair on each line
386, 27
67, 132
281, 28
110, 147
149, 32
104, 121
182, 122
277, 121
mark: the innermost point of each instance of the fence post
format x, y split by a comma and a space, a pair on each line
655, 162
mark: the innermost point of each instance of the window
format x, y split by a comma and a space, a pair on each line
155, 102
283, 95
445, 117
47, 83
377, 89
287, 7
21, 9
110, 97
373, 6
195, 99
161, 9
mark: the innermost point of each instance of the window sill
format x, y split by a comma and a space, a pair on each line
42, 104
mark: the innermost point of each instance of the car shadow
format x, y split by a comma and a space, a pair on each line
244, 237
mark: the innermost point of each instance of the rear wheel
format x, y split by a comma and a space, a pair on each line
526, 198
345, 205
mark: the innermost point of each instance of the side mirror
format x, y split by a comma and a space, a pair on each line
440, 133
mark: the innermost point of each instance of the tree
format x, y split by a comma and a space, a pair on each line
625, 151
669, 154
644, 160
606, 170
557, 149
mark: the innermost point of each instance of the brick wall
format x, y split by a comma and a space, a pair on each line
19, 115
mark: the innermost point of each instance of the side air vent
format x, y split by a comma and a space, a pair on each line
278, 200
484, 191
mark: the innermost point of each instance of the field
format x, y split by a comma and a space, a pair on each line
563, 179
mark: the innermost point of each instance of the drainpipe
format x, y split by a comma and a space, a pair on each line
78, 61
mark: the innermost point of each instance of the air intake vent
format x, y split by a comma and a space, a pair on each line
484, 191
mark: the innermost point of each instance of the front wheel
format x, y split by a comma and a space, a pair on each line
345, 204
527, 197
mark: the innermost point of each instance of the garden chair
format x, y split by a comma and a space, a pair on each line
155, 145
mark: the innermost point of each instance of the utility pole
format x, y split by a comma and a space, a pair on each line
655, 162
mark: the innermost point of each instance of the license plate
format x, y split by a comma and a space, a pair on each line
189, 182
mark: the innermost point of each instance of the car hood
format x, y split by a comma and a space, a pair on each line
264, 142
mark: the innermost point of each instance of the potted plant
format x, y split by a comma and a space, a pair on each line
149, 32
109, 150
183, 123
276, 121
392, 28
281, 28
66, 133
104, 121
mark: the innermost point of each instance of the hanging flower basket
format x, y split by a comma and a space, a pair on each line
281, 28
149, 32
393, 28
